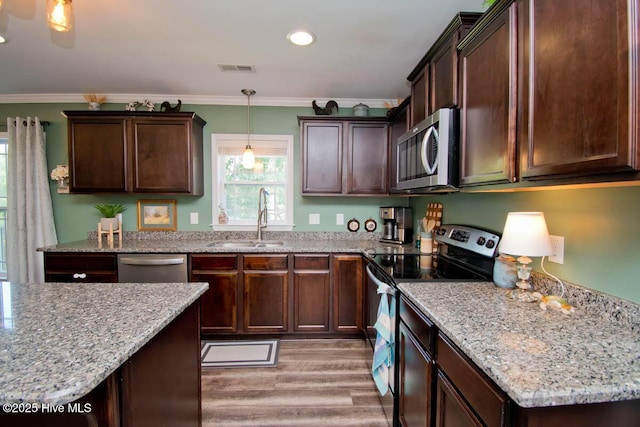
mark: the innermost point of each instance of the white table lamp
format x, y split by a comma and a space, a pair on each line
525, 235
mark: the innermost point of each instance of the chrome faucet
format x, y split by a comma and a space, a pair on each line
262, 211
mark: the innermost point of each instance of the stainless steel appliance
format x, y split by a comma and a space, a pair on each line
397, 224
152, 268
426, 157
463, 253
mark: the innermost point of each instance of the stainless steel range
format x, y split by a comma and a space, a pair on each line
462, 253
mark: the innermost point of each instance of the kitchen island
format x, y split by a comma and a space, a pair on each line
548, 363
110, 353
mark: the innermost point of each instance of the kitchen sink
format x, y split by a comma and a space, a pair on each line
246, 244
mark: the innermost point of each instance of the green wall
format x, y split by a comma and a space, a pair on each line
601, 228
75, 215
600, 225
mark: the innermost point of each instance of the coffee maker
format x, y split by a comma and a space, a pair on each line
397, 224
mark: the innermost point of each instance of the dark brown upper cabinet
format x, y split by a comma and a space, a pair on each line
344, 155
578, 87
488, 98
399, 119
434, 81
135, 152
549, 93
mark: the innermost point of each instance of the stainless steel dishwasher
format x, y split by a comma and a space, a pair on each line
152, 268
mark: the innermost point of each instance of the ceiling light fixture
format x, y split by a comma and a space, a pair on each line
59, 15
2, 40
248, 158
301, 37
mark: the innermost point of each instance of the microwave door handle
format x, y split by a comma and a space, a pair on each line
431, 169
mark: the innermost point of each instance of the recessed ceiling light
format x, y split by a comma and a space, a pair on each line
301, 37
2, 40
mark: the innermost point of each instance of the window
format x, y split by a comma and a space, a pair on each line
4, 162
236, 189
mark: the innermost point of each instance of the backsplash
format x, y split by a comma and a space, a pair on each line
616, 310
243, 235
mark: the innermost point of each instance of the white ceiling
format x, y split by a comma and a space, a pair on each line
171, 48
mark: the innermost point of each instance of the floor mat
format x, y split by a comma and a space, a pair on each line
239, 354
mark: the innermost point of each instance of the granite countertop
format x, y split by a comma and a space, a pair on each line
58, 341
539, 358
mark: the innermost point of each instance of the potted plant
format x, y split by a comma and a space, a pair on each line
109, 212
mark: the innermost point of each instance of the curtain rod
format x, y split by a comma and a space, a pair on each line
42, 123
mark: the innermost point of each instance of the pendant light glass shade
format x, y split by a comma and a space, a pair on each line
59, 15
248, 158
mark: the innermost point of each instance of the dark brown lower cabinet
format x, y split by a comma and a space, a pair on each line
77, 267
451, 409
308, 294
161, 382
487, 400
348, 299
416, 382
219, 313
266, 290
311, 290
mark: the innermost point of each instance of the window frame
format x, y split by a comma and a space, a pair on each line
257, 141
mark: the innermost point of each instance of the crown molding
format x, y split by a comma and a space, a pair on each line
116, 98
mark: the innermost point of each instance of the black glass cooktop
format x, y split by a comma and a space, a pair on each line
414, 267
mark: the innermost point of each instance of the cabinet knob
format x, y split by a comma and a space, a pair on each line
79, 275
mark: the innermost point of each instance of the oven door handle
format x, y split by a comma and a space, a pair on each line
388, 289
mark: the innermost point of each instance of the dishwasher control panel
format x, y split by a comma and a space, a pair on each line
152, 268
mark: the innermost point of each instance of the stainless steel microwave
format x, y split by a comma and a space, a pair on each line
425, 158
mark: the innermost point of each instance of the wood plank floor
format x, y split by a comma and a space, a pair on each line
316, 383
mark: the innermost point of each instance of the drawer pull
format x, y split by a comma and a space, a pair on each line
79, 275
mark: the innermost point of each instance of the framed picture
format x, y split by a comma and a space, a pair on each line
157, 215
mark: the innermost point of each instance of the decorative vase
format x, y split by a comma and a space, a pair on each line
94, 106
504, 272
63, 185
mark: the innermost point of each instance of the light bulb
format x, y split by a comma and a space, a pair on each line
59, 15
248, 158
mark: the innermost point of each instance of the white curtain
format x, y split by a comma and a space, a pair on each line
29, 213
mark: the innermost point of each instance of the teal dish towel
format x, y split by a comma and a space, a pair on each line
383, 350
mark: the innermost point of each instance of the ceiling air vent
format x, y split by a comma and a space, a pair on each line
240, 68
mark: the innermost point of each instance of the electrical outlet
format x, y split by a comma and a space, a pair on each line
194, 217
314, 219
339, 219
557, 244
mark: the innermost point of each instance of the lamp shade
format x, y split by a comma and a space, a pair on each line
525, 234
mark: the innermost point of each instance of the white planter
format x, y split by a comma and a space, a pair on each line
105, 222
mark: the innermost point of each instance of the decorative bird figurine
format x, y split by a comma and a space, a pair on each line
166, 107
327, 110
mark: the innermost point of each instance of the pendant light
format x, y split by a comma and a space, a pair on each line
248, 158
59, 15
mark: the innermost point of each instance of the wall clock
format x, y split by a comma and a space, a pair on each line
370, 225
353, 225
